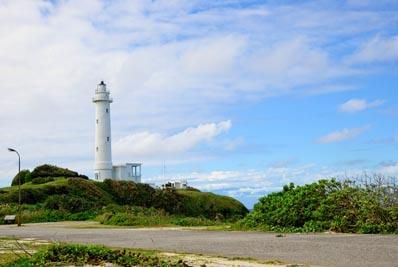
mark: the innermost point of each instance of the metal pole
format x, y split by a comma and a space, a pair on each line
19, 190
19, 219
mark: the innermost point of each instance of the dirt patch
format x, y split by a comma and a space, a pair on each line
209, 261
21, 246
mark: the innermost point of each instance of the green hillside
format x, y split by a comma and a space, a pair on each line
53, 198
210, 204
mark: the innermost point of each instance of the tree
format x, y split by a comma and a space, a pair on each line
24, 175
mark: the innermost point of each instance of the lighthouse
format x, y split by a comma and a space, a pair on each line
103, 168
103, 147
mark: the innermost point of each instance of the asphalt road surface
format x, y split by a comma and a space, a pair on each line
309, 249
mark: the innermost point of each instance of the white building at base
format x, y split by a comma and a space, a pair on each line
129, 171
103, 168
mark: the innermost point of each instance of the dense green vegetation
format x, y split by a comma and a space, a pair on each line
23, 176
211, 205
138, 216
54, 197
43, 174
328, 205
50, 193
65, 255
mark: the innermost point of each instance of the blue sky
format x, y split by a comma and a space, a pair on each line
238, 97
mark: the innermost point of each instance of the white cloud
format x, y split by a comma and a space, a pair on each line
389, 169
147, 145
356, 105
168, 64
377, 49
283, 66
342, 135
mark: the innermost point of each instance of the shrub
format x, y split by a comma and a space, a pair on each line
24, 175
71, 254
69, 203
323, 205
47, 170
128, 192
168, 200
33, 195
82, 176
42, 180
210, 205
89, 191
132, 219
138, 216
315, 226
194, 221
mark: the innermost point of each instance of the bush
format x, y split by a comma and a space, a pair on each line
324, 205
24, 175
210, 205
40, 213
47, 170
314, 226
138, 216
168, 200
131, 219
33, 195
37, 215
68, 203
89, 191
128, 192
194, 221
82, 176
42, 180
71, 254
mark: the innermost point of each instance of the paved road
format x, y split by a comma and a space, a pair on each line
310, 249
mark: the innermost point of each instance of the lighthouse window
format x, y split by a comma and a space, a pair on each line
97, 121
96, 148
107, 139
107, 110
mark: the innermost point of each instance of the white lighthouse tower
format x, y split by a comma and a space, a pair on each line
103, 148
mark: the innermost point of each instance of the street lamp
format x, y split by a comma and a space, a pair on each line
19, 185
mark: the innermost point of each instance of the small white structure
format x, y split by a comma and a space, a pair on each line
103, 168
129, 172
103, 149
181, 184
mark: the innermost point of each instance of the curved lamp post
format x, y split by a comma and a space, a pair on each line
19, 185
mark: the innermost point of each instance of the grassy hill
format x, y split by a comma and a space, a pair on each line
54, 198
195, 203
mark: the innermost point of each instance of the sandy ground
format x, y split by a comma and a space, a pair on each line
208, 261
